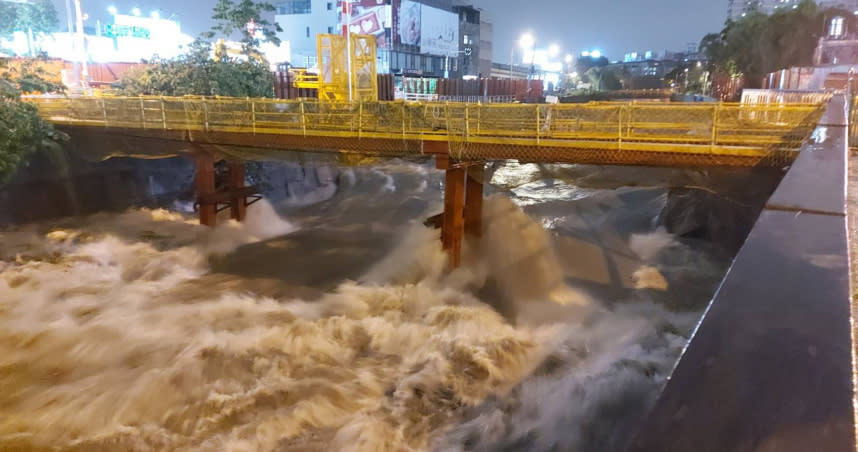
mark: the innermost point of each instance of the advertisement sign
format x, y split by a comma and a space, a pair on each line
371, 17
408, 16
439, 33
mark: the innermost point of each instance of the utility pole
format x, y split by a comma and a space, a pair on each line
347, 11
81, 41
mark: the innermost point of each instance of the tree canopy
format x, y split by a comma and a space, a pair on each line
758, 44
199, 73
36, 17
244, 17
22, 131
584, 63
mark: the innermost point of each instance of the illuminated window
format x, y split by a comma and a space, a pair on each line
294, 7
836, 28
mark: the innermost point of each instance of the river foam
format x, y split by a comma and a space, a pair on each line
112, 337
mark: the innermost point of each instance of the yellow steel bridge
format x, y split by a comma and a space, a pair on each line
638, 133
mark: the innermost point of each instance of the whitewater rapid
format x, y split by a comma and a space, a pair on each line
117, 332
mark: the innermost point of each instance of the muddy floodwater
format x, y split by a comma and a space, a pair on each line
329, 322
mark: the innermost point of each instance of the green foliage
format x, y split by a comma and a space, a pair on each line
35, 18
602, 78
8, 16
197, 73
583, 64
39, 16
758, 43
231, 17
29, 76
22, 131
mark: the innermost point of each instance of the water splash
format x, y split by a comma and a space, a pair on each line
112, 336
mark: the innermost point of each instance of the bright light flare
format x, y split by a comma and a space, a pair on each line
526, 41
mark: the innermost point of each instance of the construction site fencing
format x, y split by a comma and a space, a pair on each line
478, 99
774, 96
473, 131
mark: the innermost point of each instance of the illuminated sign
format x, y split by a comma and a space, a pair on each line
134, 31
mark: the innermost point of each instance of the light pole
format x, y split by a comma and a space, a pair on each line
81, 42
525, 41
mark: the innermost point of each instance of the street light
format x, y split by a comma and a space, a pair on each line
553, 50
156, 15
112, 10
568, 59
525, 41
135, 11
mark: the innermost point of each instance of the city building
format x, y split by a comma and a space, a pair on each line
839, 46
835, 56
426, 39
469, 44
736, 9
486, 47
301, 21
430, 38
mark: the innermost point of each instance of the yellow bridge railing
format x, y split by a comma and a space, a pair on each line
853, 124
723, 129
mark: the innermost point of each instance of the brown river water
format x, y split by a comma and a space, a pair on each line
333, 325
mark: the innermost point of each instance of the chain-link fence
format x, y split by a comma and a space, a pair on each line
532, 132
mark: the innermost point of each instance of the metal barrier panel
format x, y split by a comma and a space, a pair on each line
729, 129
774, 96
333, 68
364, 77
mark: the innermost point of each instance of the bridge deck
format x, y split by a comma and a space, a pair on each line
608, 133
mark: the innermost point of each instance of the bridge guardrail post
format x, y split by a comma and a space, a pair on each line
467, 122
253, 115
360, 119
714, 127
103, 112
447, 120
402, 108
142, 113
303, 119
187, 120
205, 114
163, 113
537, 124
479, 118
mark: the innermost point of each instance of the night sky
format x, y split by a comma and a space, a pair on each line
612, 26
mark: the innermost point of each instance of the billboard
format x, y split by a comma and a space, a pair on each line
439, 32
407, 29
371, 17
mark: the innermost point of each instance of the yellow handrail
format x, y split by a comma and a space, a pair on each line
719, 128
